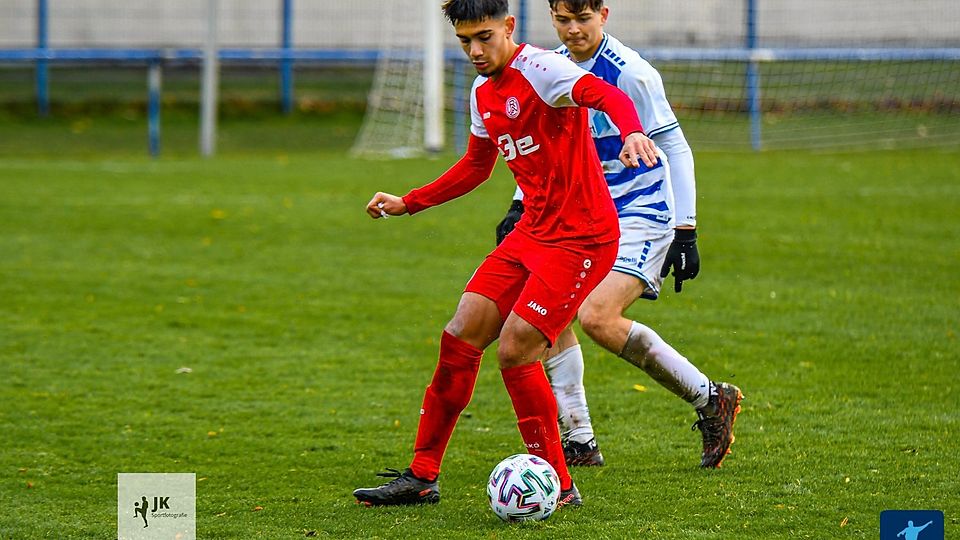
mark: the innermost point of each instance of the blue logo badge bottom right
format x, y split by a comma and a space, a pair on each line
911, 525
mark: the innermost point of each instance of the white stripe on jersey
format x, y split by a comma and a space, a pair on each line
555, 89
476, 123
551, 75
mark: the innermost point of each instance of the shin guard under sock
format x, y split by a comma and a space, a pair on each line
446, 397
536, 410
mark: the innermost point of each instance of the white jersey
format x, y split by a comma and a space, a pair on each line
645, 194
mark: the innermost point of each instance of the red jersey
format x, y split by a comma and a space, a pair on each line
533, 113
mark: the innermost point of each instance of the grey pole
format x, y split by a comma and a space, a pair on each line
209, 83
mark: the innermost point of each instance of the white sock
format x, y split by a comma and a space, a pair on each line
648, 351
565, 371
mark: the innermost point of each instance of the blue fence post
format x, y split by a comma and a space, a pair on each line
753, 77
43, 98
153, 106
522, 21
286, 64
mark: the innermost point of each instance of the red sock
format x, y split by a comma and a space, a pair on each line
446, 397
536, 410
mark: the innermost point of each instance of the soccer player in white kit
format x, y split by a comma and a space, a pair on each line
657, 212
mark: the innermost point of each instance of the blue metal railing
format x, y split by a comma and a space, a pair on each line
287, 56
187, 54
370, 56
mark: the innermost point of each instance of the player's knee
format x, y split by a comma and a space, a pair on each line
476, 321
596, 321
454, 327
476, 337
509, 355
467, 330
513, 353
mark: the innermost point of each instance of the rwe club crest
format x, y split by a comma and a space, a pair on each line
513, 107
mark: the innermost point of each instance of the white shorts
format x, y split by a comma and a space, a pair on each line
642, 252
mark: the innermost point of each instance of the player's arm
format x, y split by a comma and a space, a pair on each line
678, 152
595, 93
644, 85
466, 174
645, 89
683, 256
469, 172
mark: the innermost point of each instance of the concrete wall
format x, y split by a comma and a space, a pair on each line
363, 23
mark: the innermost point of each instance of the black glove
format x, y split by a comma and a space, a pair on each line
683, 257
510, 220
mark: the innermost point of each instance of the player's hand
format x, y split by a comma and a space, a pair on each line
510, 220
683, 257
385, 204
638, 147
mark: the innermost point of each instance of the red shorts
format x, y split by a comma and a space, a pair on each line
542, 283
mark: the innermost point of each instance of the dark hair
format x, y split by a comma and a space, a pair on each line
458, 11
577, 6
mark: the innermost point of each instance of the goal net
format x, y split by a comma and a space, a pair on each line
416, 103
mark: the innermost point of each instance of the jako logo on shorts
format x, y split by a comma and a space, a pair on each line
538, 308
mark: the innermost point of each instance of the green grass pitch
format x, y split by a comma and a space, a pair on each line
829, 293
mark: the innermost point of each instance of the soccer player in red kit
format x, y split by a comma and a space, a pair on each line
528, 104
